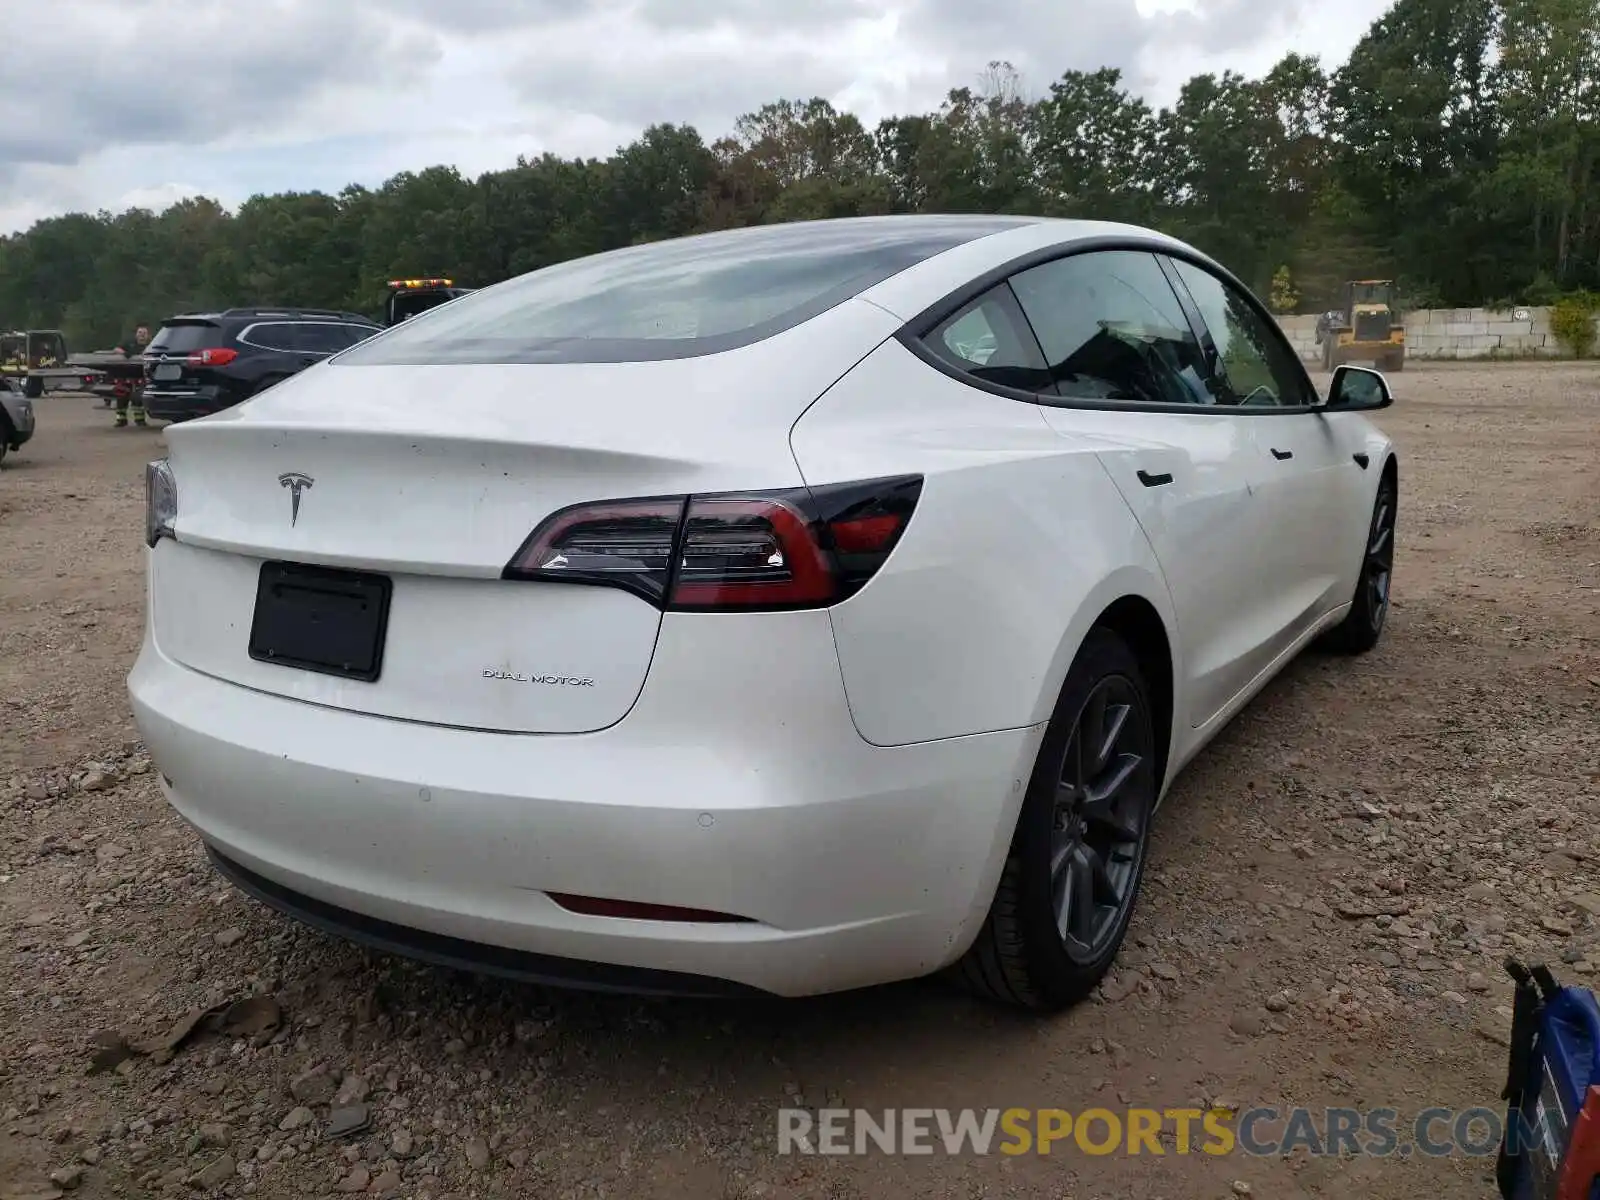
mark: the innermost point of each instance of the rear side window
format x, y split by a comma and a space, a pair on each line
1112, 329
184, 336
269, 335
990, 340
673, 299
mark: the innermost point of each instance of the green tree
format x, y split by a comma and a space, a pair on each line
1096, 149
1458, 151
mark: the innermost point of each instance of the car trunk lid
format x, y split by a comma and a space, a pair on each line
432, 478
168, 365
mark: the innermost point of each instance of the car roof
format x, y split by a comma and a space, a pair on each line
274, 314
911, 291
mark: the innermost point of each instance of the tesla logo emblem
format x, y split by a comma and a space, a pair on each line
296, 483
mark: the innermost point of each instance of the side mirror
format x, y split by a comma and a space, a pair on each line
1358, 389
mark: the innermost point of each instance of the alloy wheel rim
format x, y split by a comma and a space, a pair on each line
1099, 819
1380, 558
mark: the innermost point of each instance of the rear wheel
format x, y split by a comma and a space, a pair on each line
33, 387
1363, 625
1072, 875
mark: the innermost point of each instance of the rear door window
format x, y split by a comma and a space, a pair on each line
326, 337
1112, 329
318, 338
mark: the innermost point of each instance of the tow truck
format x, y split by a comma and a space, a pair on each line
109, 374
34, 359
408, 297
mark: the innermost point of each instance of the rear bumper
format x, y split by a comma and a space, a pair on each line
470, 956
742, 790
184, 405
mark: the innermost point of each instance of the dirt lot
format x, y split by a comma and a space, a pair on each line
1335, 883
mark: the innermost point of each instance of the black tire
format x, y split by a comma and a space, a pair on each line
33, 387
1362, 627
1021, 957
1396, 363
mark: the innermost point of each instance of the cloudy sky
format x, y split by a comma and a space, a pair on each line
112, 103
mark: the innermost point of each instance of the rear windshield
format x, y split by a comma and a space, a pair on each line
674, 299
184, 336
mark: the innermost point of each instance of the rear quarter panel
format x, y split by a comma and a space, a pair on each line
1019, 542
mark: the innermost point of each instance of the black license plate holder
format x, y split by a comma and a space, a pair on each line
166, 371
320, 619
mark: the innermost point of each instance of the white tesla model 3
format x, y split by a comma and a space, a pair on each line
780, 610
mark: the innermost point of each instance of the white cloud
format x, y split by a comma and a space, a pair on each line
167, 98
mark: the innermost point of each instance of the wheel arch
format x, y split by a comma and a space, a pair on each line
1134, 604
1138, 623
1391, 471
1389, 474
1142, 622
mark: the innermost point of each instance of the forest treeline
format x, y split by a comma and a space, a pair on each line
1457, 151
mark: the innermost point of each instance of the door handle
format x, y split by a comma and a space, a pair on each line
1280, 455
1150, 480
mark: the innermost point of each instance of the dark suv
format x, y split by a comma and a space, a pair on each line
202, 363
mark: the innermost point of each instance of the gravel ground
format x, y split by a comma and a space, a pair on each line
1334, 885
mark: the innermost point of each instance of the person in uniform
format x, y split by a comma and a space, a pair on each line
130, 393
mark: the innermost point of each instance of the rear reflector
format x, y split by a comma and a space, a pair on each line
592, 906
796, 548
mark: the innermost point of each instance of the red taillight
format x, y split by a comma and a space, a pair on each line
797, 548
750, 554
865, 534
624, 543
219, 357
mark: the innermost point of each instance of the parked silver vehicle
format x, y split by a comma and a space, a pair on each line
16, 418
